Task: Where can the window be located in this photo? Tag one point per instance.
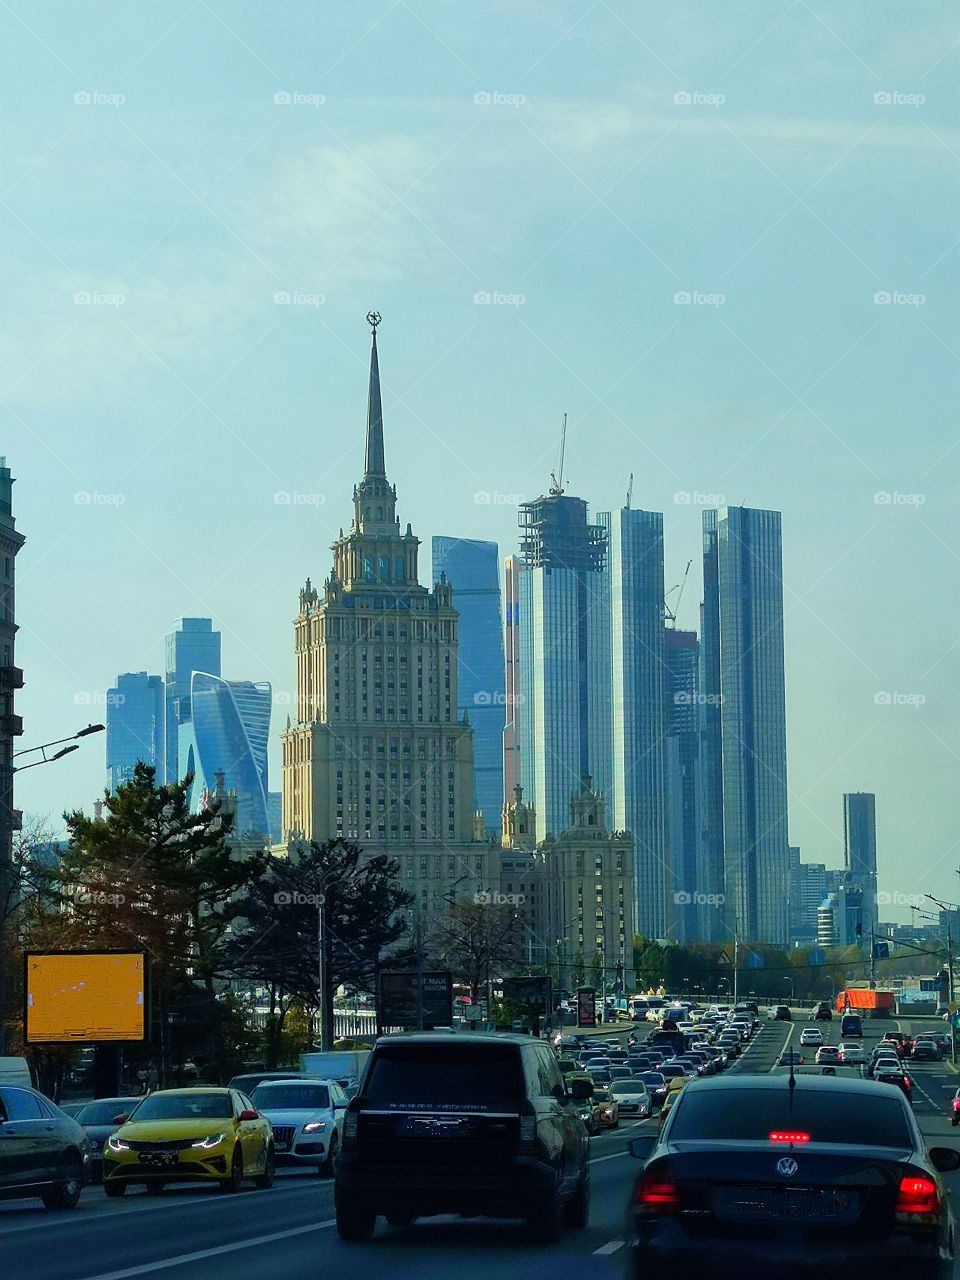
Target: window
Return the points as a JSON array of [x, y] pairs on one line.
[[20, 1104], [384, 569], [368, 568]]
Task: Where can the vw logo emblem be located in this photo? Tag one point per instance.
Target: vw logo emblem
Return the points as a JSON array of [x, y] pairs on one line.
[[787, 1166]]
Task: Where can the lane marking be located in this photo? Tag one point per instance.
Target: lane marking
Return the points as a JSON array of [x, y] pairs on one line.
[[610, 1247], [617, 1155], [200, 1255]]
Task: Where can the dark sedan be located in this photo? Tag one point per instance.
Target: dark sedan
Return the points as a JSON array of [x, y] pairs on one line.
[[99, 1121], [42, 1151], [814, 1176]]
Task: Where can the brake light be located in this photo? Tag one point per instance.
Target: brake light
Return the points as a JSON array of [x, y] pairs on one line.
[[782, 1136], [656, 1193], [349, 1134], [918, 1198], [906, 1081], [528, 1127]]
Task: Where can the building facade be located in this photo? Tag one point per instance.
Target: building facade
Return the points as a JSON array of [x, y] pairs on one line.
[[512, 571], [746, 740], [860, 848], [192, 646], [11, 679], [681, 667], [471, 568], [135, 726]]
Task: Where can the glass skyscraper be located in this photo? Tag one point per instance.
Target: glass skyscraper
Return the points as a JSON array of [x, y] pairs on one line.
[[192, 646], [860, 848], [472, 570], [512, 571], [681, 658], [135, 710], [744, 723], [228, 732]]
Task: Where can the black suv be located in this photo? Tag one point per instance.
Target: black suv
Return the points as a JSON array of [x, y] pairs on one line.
[[467, 1124]]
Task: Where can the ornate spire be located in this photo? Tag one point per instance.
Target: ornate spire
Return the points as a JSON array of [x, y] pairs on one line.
[[373, 461]]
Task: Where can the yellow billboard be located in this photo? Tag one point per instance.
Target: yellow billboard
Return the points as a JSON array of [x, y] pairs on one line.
[[85, 997]]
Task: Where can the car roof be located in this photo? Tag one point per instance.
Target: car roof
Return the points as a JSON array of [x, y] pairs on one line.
[[765, 1081], [202, 1089], [447, 1038]]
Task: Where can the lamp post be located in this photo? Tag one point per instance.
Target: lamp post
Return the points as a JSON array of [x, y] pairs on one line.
[[790, 980]]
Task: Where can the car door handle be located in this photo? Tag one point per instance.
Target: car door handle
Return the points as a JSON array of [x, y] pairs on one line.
[[49, 1128]]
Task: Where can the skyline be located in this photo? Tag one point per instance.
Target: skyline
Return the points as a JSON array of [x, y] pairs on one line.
[[798, 393]]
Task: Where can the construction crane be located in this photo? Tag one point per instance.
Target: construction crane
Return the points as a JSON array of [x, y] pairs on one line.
[[556, 477], [671, 614], [630, 491]]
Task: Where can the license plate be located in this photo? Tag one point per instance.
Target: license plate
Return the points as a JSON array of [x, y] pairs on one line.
[[283, 1146], [432, 1127], [160, 1159], [795, 1204]]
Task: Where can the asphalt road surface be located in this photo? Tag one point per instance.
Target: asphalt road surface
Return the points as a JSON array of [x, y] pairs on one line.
[[287, 1233]]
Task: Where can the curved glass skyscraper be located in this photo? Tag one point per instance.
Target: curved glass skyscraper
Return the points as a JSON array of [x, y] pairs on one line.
[[229, 728]]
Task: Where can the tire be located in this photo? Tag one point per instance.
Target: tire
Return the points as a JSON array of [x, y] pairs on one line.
[[576, 1213], [65, 1194], [156, 1188], [545, 1221], [113, 1189], [233, 1183], [326, 1169], [356, 1224], [264, 1181]]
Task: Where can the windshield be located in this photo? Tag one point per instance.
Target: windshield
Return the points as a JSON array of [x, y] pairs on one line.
[[483, 1078], [184, 1106], [629, 1086], [751, 1115], [102, 1112], [291, 1097]]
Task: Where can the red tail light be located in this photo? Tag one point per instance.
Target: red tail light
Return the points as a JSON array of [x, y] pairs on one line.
[[780, 1136], [906, 1081], [656, 1193], [918, 1198]]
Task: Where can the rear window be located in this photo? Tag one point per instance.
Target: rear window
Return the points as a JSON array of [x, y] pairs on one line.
[[751, 1115], [291, 1097], [486, 1078]]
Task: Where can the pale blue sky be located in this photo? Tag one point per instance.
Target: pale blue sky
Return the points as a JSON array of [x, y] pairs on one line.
[[586, 193]]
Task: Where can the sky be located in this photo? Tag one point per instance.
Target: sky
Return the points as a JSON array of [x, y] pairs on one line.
[[723, 239]]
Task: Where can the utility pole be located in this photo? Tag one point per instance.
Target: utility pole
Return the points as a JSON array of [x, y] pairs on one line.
[[873, 960], [736, 964], [325, 1038], [953, 1020]]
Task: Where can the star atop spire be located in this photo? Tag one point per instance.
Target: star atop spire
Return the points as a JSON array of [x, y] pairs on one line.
[[373, 460]]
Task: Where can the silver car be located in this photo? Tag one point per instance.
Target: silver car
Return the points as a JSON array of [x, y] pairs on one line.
[[306, 1117]]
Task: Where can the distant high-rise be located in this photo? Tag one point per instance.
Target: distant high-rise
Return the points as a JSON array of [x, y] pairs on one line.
[[814, 887], [227, 733], [192, 646], [471, 569], [681, 657], [561, 661], [512, 570], [628, 725], [745, 772], [135, 709], [860, 848]]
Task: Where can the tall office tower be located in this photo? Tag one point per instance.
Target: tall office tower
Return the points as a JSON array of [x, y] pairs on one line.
[[11, 725], [378, 753], [794, 915], [192, 646], [814, 887], [746, 739], [564, 671], [681, 658], [471, 569], [227, 733], [860, 849], [134, 726], [512, 764], [628, 718]]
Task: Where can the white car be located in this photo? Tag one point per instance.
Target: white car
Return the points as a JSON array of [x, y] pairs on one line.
[[306, 1116], [852, 1055], [811, 1035]]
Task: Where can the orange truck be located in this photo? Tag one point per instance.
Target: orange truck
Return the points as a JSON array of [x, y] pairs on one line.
[[867, 1002]]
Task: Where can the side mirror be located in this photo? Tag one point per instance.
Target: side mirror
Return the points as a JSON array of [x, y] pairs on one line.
[[121, 1119], [340, 1106], [640, 1148], [580, 1089], [945, 1159], [249, 1115]]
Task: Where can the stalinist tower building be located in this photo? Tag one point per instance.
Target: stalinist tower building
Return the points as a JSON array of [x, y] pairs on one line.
[[377, 754]]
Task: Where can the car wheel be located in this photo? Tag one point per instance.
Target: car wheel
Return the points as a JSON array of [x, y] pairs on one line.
[[155, 1188], [265, 1180], [65, 1194], [112, 1189], [234, 1181], [355, 1224], [545, 1220], [576, 1213], [326, 1169]]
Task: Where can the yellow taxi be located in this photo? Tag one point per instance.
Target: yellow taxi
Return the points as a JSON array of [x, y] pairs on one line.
[[190, 1135], [673, 1093]]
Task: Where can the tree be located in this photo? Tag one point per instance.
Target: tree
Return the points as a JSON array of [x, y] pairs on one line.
[[478, 941]]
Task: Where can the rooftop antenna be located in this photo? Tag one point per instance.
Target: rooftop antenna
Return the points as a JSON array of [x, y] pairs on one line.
[[630, 500], [671, 614], [556, 478]]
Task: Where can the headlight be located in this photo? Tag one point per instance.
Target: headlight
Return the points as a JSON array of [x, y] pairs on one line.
[[115, 1144], [212, 1140], [314, 1126]]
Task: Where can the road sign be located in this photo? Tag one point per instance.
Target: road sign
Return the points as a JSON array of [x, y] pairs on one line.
[[586, 1007], [398, 999]]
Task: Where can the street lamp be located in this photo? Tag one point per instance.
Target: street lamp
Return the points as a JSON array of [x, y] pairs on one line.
[[44, 748], [790, 980]]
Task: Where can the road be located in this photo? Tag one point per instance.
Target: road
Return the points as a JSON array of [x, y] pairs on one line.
[[287, 1232]]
